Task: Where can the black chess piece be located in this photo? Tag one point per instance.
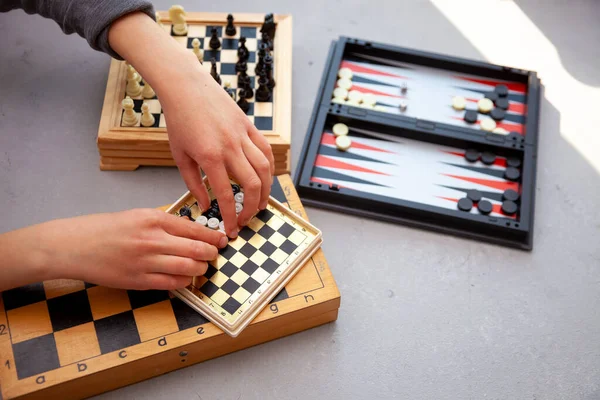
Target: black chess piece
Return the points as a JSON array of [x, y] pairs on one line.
[[269, 26], [263, 93], [243, 53], [268, 62], [214, 39], [266, 39], [230, 28], [241, 76], [241, 66], [262, 52], [243, 103], [213, 71], [247, 86]]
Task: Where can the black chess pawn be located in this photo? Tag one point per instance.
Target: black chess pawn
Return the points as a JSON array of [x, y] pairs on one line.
[[268, 62], [213, 71], [242, 102], [243, 53], [241, 66], [214, 39], [246, 85], [262, 52], [230, 28], [241, 77], [263, 93], [266, 39]]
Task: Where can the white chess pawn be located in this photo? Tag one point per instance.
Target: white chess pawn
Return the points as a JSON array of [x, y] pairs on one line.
[[134, 88], [196, 49], [147, 117], [158, 21], [130, 118], [133, 74], [177, 15], [147, 91]]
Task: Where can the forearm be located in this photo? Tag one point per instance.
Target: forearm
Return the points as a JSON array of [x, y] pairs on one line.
[[25, 257], [160, 60]]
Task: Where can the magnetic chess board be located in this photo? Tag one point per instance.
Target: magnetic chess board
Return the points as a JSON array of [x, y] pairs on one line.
[[410, 156], [71, 340], [253, 267], [128, 147]]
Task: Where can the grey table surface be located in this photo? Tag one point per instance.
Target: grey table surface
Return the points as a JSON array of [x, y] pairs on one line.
[[423, 315]]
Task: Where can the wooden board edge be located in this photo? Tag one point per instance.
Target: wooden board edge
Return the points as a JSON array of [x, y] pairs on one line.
[[283, 66], [200, 351]]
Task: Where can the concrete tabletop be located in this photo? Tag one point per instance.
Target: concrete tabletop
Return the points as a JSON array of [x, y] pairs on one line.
[[423, 315]]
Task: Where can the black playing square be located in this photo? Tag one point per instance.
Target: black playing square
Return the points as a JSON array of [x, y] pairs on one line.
[[248, 32], [268, 248], [230, 287], [209, 29], [69, 310], [286, 229], [228, 269], [209, 288], [266, 231], [191, 39], [229, 44], [252, 59], [251, 285], [249, 267], [210, 54], [248, 250], [35, 356], [250, 109], [246, 233], [23, 296], [228, 252], [231, 305], [156, 121], [142, 298], [228, 69], [269, 265], [210, 271], [186, 316], [137, 105], [89, 285], [280, 296], [263, 123], [264, 215], [288, 247], [117, 332]]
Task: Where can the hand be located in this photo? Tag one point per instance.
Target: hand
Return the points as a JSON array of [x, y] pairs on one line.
[[137, 249], [207, 129]]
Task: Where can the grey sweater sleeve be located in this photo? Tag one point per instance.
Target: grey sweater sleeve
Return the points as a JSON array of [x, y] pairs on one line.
[[90, 19]]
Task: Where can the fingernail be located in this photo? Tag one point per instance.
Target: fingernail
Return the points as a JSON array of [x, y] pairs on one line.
[[263, 205], [223, 242], [233, 233]]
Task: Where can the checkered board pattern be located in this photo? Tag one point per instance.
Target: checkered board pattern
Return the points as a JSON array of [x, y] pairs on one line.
[[46, 317], [259, 113], [265, 252]]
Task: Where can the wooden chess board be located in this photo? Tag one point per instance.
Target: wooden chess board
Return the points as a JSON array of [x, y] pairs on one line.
[[128, 147], [70, 340]]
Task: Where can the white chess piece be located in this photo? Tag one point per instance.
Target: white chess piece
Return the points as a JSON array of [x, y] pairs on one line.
[[132, 73], [177, 15], [158, 21], [134, 88], [196, 49], [130, 118], [147, 91], [147, 117]]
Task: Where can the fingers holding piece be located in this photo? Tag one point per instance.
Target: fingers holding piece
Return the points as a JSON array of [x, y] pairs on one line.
[[247, 177], [221, 188], [190, 172], [183, 228]]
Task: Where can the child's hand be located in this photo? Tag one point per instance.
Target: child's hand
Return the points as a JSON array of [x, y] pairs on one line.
[[207, 129], [137, 249]]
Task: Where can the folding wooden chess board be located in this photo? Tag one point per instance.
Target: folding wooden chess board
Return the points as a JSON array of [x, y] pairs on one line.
[[126, 148], [424, 139], [70, 340]]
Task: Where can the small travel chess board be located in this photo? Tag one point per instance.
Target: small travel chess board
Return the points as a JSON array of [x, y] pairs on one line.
[[426, 140], [253, 267], [69, 339], [124, 147]]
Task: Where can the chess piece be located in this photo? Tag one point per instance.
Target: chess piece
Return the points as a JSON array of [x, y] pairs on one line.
[[133, 74], [213, 71], [158, 20], [262, 52], [134, 88], [241, 66], [268, 62], [266, 39], [147, 118], [263, 93], [196, 49], [147, 91], [243, 103], [243, 53], [230, 29], [214, 39], [177, 15], [241, 76], [130, 118], [269, 26]]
